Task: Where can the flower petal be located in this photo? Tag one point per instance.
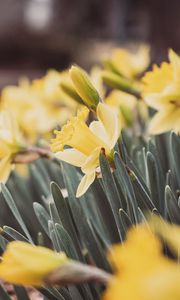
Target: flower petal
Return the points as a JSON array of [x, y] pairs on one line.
[[92, 162], [27, 264], [164, 120], [110, 121], [72, 156], [86, 181], [98, 129], [175, 61]]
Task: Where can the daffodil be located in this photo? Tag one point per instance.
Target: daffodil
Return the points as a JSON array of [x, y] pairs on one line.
[[26, 264], [11, 143], [39, 105], [162, 92], [125, 104], [86, 142], [142, 271], [130, 64]]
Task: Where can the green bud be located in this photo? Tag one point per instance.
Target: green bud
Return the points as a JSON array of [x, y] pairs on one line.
[[84, 87], [127, 114], [69, 89], [109, 66], [120, 83]]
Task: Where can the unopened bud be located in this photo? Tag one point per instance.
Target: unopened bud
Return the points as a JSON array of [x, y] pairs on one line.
[[118, 82], [84, 87], [69, 90]]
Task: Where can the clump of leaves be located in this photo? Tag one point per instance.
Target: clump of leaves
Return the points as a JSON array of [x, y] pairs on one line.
[[146, 177]]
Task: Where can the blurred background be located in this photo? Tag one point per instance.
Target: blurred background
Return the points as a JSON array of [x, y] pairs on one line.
[[36, 35]]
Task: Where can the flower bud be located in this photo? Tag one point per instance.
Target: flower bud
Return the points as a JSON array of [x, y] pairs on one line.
[[69, 90], [118, 82], [84, 87]]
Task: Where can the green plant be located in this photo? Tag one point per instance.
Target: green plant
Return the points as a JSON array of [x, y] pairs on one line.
[[146, 177]]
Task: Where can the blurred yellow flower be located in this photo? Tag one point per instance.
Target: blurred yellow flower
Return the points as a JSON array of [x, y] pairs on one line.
[[125, 104], [97, 80], [25, 264], [39, 106], [162, 92], [142, 272], [130, 64], [87, 142], [11, 142]]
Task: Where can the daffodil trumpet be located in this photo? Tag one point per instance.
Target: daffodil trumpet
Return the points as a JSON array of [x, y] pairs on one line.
[[26, 264], [85, 143]]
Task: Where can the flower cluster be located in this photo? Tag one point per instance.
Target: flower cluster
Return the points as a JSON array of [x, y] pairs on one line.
[[99, 123]]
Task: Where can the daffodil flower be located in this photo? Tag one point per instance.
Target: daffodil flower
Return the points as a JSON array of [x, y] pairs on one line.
[[26, 264], [130, 64], [124, 103], [11, 142], [86, 142], [34, 102], [142, 271], [162, 92]]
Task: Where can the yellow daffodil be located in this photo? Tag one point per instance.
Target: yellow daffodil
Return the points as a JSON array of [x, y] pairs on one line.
[[39, 105], [87, 142], [162, 92], [142, 271], [130, 64], [11, 142], [125, 104], [25, 264]]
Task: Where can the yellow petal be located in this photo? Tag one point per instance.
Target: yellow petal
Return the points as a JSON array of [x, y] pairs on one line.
[[72, 156], [5, 168], [110, 121], [157, 79], [164, 120], [98, 129], [86, 181], [27, 264], [156, 101], [91, 162], [175, 60]]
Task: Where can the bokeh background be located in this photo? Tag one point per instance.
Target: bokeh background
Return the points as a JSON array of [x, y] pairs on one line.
[[36, 35]]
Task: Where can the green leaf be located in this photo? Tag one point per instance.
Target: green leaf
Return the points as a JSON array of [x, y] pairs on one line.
[[65, 217], [171, 204], [3, 294], [111, 190], [42, 216], [10, 202], [65, 240], [155, 183], [21, 293], [126, 185], [14, 234]]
